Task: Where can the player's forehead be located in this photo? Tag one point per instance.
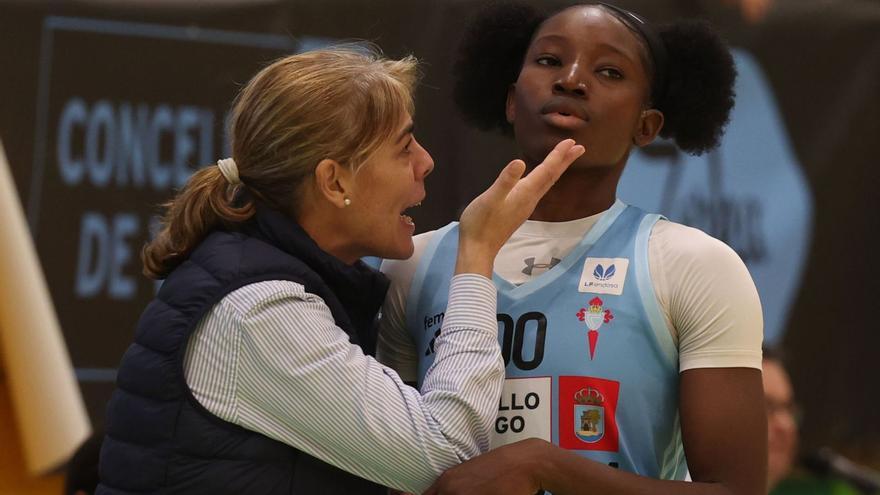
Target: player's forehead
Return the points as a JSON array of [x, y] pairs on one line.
[[588, 27]]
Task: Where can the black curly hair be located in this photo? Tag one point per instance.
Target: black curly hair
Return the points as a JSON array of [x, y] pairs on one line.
[[695, 98]]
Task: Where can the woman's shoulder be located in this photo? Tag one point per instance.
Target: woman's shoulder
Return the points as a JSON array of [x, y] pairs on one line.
[[247, 299]]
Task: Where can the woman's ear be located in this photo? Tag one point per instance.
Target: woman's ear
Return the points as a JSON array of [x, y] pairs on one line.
[[650, 123], [333, 182]]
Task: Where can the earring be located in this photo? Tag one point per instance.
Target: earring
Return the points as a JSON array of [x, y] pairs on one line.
[[346, 202]]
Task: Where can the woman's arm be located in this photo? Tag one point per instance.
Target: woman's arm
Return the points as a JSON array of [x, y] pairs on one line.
[[299, 380]]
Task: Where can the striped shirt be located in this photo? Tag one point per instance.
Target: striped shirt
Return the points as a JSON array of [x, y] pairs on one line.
[[270, 358]]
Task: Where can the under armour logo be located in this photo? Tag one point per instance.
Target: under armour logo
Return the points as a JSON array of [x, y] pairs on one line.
[[531, 265]]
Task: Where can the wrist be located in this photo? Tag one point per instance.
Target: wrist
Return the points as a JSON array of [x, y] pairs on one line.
[[533, 461], [542, 462], [475, 258]]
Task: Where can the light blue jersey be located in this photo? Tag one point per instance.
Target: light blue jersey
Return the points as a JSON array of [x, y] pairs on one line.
[[590, 363]]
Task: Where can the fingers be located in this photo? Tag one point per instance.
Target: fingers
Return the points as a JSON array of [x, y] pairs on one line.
[[563, 155], [515, 169], [508, 178], [573, 154], [543, 176], [557, 162]]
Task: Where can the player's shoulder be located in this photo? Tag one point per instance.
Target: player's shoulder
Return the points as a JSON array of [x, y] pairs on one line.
[[420, 241], [681, 241]]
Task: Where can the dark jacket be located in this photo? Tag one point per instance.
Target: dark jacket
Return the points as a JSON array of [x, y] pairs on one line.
[[159, 439]]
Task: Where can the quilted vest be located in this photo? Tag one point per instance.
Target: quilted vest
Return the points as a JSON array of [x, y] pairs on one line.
[[158, 438]]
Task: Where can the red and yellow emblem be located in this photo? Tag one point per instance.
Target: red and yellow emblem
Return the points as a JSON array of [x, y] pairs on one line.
[[588, 413], [594, 317]]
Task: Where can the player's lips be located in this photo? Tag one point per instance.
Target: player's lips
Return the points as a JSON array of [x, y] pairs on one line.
[[565, 113]]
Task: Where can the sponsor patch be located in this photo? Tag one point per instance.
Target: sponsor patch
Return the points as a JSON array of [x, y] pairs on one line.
[[524, 411], [604, 275], [587, 413]]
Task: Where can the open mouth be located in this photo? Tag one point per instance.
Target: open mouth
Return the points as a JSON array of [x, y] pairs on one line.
[[405, 217]]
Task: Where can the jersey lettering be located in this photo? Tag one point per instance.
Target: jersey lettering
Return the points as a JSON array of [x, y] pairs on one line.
[[515, 339], [524, 411]]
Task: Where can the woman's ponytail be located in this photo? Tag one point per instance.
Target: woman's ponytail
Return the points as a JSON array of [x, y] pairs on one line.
[[205, 203]]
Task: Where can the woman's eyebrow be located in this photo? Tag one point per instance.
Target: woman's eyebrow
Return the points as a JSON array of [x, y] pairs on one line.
[[406, 131]]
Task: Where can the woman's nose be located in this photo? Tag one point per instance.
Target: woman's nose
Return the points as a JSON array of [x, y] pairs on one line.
[[425, 163]]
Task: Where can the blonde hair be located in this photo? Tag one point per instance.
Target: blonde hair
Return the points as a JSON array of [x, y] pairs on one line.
[[340, 103]]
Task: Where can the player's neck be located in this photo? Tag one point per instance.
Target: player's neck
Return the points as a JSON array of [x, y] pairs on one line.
[[578, 194]]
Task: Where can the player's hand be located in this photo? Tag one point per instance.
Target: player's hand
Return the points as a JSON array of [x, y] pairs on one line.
[[507, 470], [491, 218]]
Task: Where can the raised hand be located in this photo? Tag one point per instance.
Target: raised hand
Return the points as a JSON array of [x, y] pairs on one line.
[[491, 218]]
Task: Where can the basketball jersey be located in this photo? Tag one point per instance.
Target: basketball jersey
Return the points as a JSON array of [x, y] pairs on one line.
[[589, 361]]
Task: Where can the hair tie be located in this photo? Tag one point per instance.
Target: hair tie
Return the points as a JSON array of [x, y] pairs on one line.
[[229, 170]]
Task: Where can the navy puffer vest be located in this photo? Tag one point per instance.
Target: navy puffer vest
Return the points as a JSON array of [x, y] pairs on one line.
[[159, 439]]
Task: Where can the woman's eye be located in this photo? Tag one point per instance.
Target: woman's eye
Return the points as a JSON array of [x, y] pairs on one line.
[[611, 73], [547, 60]]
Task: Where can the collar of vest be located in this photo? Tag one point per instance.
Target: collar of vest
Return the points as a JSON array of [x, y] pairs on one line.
[[356, 286]]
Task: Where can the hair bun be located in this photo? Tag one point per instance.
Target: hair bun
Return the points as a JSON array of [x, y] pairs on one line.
[[699, 91], [489, 60]]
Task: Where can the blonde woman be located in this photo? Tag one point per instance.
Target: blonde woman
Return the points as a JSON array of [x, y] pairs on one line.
[[249, 372]]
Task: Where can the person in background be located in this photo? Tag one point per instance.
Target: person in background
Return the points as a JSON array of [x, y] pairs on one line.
[[783, 417]]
